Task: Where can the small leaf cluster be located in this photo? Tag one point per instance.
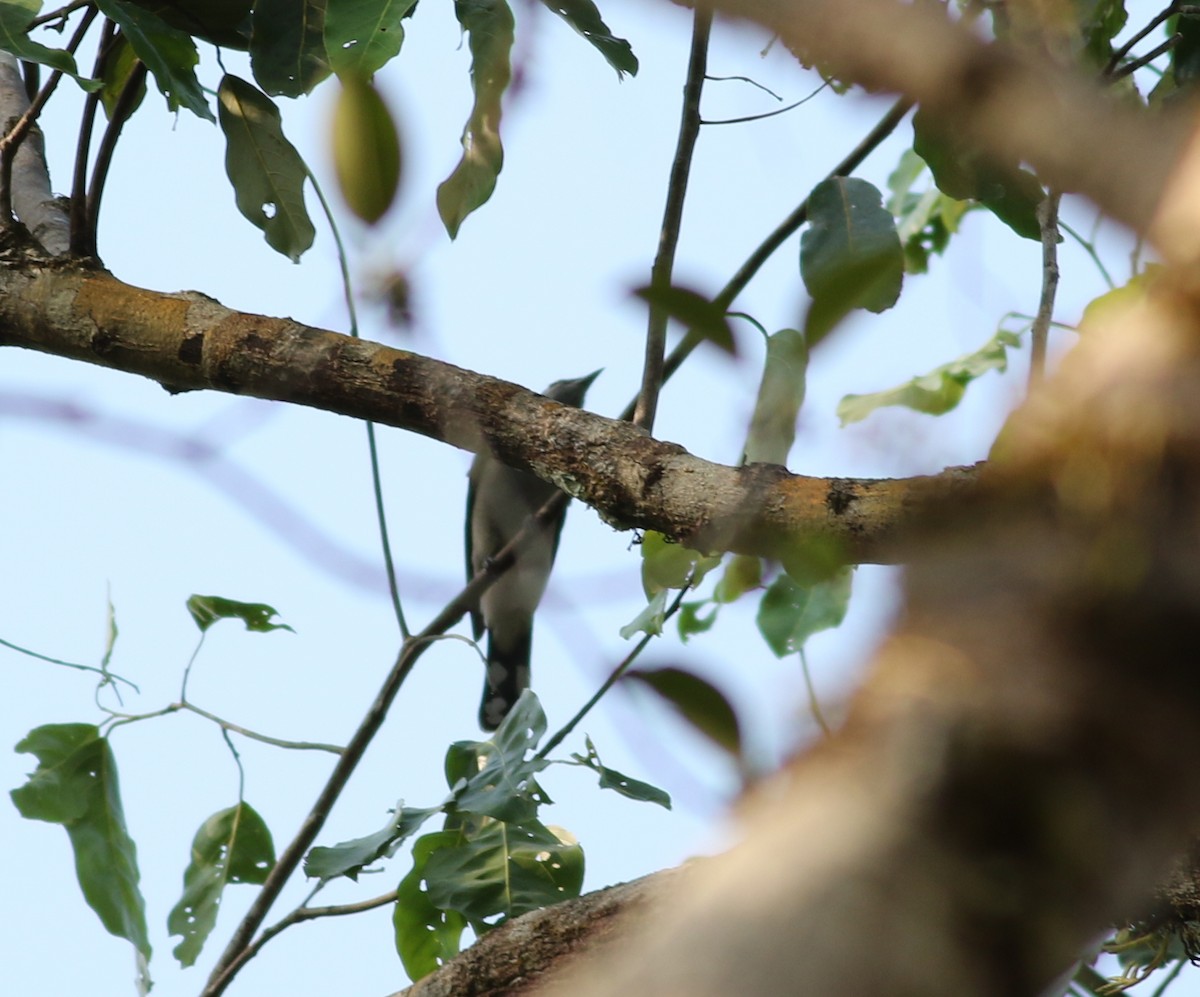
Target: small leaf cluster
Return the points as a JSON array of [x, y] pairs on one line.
[[493, 859]]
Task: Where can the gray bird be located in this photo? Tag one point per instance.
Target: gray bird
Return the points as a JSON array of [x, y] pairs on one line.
[[499, 501]]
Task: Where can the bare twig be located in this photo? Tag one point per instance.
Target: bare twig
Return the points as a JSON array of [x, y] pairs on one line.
[[107, 675], [612, 679], [668, 239], [766, 114], [1144, 60], [278, 742], [1124, 50], [1047, 213]]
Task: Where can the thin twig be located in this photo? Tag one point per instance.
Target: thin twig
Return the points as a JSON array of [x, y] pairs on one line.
[[1088, 247], [301, 914], [668, 238], [744, 79], [765, 114], [61, 14], [278, 742], [612, 679], [108, 676], [745, 273], [239, 949], [1142, 60], [1125, 49], [1047, 213]]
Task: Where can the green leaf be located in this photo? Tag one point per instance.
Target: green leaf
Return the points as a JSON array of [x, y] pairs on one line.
[[287, 46], [742, 574], [790, 613], [1100, 22], [76, 785], [494, 778], [1118, 303], [427, 937], [118, 70], [941, 389], [670, 565], [207, 609], [694, 310], [650, 619], [584, 17], [634, 789], [699, 702], [362, 36], [266, 171], [169, 54], [1012, 194], [233, 846], [15, 18], [690, 620], [505, 869], [780, 395], [489, 25], [222, 22], [348, 858], [850, 256], [925, 220]]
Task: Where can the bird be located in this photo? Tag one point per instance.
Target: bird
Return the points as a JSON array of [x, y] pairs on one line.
[[499, 501]]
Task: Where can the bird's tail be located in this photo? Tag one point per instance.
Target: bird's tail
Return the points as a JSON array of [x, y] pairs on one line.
[[507, 677]]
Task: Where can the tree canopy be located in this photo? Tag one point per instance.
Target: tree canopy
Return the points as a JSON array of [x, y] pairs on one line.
[[1010, 782]]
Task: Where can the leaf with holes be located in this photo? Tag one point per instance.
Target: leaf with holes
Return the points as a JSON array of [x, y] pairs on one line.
[[287, 46], [362, 36], [633, 789], [494, 778], [426, 936], [584, 17], [506, 869], [266, 171], [233, 846], [348, 858], [207, 609], [76, 785]]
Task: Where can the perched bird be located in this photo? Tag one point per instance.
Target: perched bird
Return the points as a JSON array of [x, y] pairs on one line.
[[499, 501]]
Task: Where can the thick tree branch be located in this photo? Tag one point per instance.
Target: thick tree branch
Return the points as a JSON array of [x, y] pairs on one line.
[[188, 341]]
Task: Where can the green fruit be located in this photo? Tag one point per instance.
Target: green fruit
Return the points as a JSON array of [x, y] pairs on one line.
[[366, 150]]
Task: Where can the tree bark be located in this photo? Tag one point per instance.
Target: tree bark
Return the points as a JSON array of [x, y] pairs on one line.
[[188, 341]]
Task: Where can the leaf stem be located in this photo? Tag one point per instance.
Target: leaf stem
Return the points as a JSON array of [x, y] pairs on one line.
[[385, 544]]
